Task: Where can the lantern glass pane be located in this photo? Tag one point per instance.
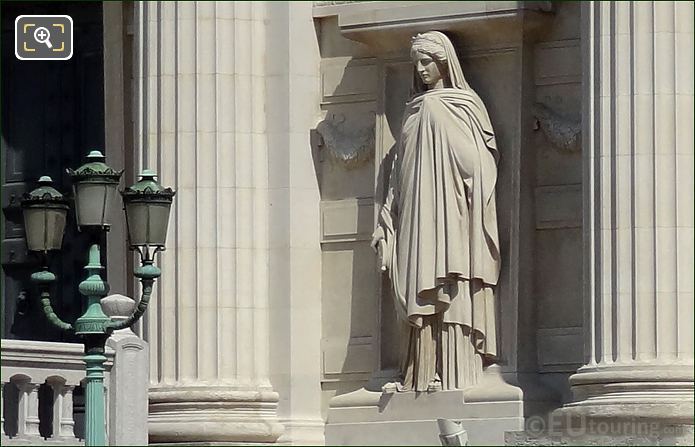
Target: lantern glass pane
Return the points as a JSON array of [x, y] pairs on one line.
[[136, 219], [44, 228], [159, 221], [93, 201], [147, 223]]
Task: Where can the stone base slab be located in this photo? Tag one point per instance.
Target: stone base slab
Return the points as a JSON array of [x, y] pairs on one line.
[[39, 440], [366, 417], [303, 432], [488, 431], [665, 435]]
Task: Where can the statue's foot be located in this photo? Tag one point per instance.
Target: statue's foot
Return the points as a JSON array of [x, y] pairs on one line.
[[390, 387], [435, 385], [394, 387]]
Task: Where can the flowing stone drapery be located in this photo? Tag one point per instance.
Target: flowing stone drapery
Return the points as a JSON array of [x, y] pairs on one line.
[[638, 221], [201, 125], [438, 227]]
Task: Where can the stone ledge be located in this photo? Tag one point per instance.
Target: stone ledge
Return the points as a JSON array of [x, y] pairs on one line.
[[38, 440], [388, 25], [665, 435]]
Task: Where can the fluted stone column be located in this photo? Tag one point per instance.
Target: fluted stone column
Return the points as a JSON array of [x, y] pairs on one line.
[[638, 152], [201, 125]]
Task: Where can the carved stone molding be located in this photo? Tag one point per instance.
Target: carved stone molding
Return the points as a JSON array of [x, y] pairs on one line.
[[347, 145], [562, 132], [389, 25], [336, 2]]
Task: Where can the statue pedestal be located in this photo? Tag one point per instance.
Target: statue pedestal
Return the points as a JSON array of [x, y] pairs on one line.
[[364, 417]]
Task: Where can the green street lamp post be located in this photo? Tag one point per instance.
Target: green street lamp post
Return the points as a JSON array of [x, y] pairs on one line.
[[147, 205]]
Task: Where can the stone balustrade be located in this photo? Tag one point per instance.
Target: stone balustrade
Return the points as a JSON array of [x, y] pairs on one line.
[[42, 397]]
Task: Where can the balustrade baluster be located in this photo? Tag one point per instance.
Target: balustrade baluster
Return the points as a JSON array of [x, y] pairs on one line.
[[2, 409], [26, 366], [63, 423], [67, 423], [28, 420]]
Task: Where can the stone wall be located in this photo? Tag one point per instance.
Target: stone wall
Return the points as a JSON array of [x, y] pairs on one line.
[[529, 77], [556, 143]]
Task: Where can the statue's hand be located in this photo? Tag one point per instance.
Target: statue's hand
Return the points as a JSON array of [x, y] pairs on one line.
[[379, 245], [377, 236]]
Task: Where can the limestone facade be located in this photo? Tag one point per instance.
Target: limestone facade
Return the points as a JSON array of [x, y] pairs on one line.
[[638, 212], [227, 125], [275, 122]]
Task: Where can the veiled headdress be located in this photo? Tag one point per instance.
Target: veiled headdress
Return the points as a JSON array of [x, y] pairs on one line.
[[439, 47]]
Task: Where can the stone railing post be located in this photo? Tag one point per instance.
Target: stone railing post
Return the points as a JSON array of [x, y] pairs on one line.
[[129, 379]]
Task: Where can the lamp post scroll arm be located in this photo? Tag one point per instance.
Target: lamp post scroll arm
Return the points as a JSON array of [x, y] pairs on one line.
[[44, 279], [147, 274], [51, 315]]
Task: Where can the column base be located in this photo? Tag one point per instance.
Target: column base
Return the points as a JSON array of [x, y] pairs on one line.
[[637, 403], [655, 392], [605, 434], [203, 414]]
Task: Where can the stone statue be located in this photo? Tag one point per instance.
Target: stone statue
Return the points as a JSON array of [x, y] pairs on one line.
[[437, 230]]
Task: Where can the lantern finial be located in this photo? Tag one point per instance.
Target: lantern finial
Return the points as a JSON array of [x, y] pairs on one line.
[[96, 156]]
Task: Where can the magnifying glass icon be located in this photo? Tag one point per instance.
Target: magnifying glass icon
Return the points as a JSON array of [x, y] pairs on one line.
[[42, 35]]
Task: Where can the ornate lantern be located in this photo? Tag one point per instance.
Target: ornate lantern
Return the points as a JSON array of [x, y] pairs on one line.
[[95, 187], [45, 211], [147, 205]]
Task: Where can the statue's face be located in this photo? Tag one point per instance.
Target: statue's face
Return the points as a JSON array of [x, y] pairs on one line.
[[427, 68]]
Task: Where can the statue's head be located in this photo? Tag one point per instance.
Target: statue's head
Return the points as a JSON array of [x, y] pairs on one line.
[[430, 59]]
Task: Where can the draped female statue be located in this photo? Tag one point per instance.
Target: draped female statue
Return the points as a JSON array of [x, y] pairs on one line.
[[437, 230]]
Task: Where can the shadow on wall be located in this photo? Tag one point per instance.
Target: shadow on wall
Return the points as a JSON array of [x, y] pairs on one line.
[[343, 156]]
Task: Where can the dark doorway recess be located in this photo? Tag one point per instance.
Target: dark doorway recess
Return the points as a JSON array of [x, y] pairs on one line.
[[52, 115]]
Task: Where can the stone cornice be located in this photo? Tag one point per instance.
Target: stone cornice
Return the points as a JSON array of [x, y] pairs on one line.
[[386, 25]]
